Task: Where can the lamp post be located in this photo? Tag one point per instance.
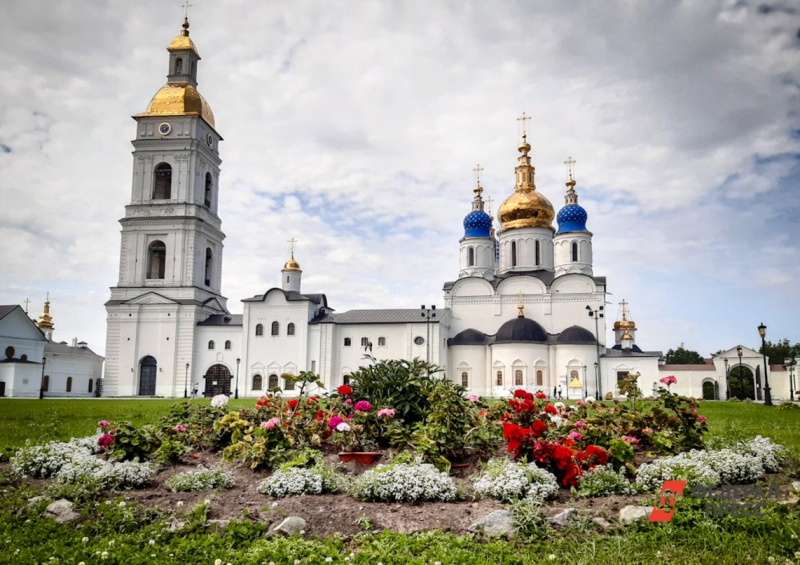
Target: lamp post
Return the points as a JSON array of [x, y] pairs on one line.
[[762, 331], [597, 314], [739, 353], [428, 314], [41, 385], [596, 378], [789, 364], [584, 381], [727, 382], [236, 394], [186, 382]]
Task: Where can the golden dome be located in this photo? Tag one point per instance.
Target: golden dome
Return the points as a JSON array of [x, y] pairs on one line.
[[526, 208], [626, 335], [180, 99], [292, 265], [46, 320], [182, 43], [624, 323]]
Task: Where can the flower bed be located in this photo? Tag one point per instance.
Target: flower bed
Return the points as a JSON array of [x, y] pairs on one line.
[[201, 479], [404, 482], [506, 480], [295, 481]]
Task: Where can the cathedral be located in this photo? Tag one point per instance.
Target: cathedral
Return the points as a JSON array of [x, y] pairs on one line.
[[526, 309]]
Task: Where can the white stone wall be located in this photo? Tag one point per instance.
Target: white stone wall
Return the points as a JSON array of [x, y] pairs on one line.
[[562, 251], [526, 239], [483, 254], [61, 366]]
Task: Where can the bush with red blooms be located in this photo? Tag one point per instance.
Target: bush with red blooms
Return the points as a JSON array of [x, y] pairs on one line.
[[345, 390], [566, 461]]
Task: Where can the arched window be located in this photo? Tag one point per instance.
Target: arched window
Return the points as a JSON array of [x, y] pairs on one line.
[[227, 344], [178, 66], [513, 253], [157, 260], [211, 344], [346, 380], [539, 378], [273, 381], [538, 253], [275, 328], [518, 377], [290, 329], [207, 200], [288, 384], [69, 384], [381, 341], [91, 385], [364, 341], [209, 262], [464, 379], [471, 256], [258, 382], [574, 252], [347, 342], [46, 383], [259, 329], [162, 187], [499, 381]]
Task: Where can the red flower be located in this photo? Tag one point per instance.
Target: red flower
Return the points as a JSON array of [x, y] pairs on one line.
[[541, 395], [344, 390], [311, 399], [519, 393], [538, 428], [320, 415], [293, 403], [262, 401], [550, 409], [600, 455]]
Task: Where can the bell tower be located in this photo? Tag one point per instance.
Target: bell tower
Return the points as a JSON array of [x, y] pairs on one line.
[[171, 254]]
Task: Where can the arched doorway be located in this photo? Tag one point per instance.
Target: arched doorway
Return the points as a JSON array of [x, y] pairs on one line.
[[147, 376], [218, 380], [708, 390], [741, 380]]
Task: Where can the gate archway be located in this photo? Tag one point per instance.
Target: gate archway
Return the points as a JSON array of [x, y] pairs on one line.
[[218, 380], [708, 390], [148, 369], [741, 381]]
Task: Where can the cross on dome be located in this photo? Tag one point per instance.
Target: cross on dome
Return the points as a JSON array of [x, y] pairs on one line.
[[570, 163], [186, 9], [523, 118]]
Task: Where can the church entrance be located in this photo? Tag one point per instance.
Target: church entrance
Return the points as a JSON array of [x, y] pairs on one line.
[[741, 382], [710, 390], [147, 376], [218, 380]]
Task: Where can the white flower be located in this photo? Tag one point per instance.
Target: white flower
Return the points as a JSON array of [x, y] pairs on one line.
[[329, 560], [218, 562], [343, 427], [122, 504], [507, 480], [179, 504], [559, 405], [84, 539], [552, 557], [152, 542], [200, 479], [219, 401], [296, 481], [557, 420], [402, 482], [590, 399]]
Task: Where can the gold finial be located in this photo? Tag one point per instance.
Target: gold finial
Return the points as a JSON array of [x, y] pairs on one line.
[[521, 306], [478, 190], [291, 264], [45, 320], [524, 147], [27, 303], [185, 25], [624, 310], [570, 163], [625, 323]]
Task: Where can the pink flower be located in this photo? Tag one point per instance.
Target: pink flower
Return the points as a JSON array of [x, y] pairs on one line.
[[702, 419], [343, 427], [335, 421], [105, 440], [270, 424], [670, 380], [631, 439], [575, 436], [473, 398], [647, 431], [103, 423], [580, 402], [363, 406], [580, 424], [179, 428], [386, 413], [348, 401]]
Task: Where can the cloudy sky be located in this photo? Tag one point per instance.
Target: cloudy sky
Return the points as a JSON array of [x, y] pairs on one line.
[[355, 126]]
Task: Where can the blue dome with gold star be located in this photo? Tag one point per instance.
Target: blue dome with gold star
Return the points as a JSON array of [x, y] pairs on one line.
[[571, 218], [477, 224]]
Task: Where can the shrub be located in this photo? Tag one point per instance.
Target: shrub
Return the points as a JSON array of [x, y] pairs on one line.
[[201, 479], [42, 461], [506, 480], [121, 475], [685, 466], [294, 481], [402, 482], [769, 453], [733, 467], [604, 481]]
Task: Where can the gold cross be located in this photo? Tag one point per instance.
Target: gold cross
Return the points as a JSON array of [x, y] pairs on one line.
[[489, 201], [27, 303], [48, 297], [570, 163], [523, 118], [478, 170], [292, 241], [624, 309], [186, 9]]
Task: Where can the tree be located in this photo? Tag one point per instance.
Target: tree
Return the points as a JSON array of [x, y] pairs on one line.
[[682, 356], [779, 351]]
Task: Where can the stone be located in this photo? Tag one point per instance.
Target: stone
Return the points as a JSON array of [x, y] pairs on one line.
[[563, 517], [291, 526], [218, 523], [796, 486], [631, 513], [498, 523], [61, 511], [604, 524]]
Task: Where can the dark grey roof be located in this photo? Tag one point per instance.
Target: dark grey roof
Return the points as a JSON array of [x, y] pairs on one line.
[[63, 349], [631, 353], [291, 296], [395, 316], [469, 337], [222, 320], [576, 335], [521, 329], [5, 310], [635, 348]]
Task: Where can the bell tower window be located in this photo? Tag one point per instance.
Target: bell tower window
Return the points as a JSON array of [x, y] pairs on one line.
[[471, 259], [157, 260], [209, 262], [574, 252], [162, 188], [513, 253], [178, 66], [538, 254], [207, 202]]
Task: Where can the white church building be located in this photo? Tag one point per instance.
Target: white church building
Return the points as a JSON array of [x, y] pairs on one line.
[[525, 309]]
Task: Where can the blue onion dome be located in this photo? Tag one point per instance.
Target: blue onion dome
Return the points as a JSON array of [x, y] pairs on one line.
[[477, 224], [571, 218]]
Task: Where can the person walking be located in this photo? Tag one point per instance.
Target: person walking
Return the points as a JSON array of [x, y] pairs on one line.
[[195, 390], [559, 392]]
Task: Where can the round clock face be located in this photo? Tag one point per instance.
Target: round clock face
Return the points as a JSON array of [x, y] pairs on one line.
[[164, 128], [209, 139]]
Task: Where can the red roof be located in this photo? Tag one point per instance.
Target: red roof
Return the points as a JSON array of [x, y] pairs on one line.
[[687, 368]]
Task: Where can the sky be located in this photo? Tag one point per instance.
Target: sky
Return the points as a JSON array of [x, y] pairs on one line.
[[354, 127]]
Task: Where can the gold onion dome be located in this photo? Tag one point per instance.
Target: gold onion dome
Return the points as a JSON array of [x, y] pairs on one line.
[[292, 265], [526, 208], [625, 323], [180, 99]]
